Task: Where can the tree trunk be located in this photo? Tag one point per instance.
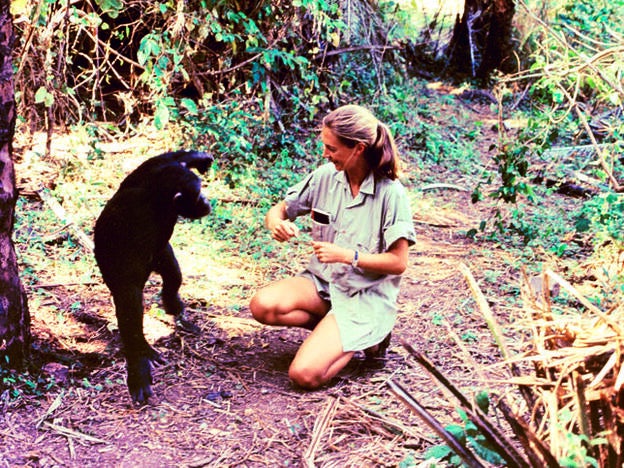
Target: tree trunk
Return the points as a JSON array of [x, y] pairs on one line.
[[14, 315], [498, 48], [481, 40]]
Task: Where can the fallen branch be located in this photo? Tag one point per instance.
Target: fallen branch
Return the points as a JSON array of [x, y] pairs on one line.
[[465, 454], [490, 431], [443, 186], [75, 434], [60, 213]]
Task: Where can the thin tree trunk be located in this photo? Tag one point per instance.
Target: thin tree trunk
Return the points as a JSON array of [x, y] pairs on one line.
[[481, 40], [14, 315]]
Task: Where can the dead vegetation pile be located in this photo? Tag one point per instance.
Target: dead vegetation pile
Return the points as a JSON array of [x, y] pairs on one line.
[[563, 401]]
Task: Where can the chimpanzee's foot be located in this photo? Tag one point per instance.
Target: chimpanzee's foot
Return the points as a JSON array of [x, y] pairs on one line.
[[140, 375], [185, 325]]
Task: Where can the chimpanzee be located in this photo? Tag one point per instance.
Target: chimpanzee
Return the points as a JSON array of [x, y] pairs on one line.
[[132, 240]]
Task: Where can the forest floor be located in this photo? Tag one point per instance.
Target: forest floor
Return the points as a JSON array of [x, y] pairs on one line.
[[224, 399]]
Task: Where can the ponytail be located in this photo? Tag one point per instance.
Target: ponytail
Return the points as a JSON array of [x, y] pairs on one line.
[[382, 155]]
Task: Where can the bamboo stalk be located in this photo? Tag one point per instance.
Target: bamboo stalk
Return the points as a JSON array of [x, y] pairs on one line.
[[465, 454], [485, 310], [320, 426]]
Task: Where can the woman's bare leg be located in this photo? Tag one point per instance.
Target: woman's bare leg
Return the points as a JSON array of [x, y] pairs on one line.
[[320, 357], [292, 302]]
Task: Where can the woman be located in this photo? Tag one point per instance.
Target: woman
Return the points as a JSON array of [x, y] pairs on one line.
[[362, 229]]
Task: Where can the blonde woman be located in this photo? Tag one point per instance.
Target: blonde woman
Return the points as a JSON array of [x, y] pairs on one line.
[[362, 229]]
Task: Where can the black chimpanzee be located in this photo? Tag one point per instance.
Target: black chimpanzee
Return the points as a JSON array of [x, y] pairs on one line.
[[132, 240]]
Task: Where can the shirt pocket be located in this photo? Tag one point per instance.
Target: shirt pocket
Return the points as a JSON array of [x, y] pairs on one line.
[[323, 227]]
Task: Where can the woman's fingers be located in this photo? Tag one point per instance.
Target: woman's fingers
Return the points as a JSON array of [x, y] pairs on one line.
[[285, 230]]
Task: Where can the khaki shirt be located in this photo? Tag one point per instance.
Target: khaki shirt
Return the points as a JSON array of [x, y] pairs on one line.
[[364, 303]]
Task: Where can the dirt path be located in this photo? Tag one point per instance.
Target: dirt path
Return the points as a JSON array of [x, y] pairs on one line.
[[224, 399]]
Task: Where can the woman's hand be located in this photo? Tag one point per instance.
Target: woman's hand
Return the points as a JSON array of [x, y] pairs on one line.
[[283, 230], [327, 252], [391, 262]]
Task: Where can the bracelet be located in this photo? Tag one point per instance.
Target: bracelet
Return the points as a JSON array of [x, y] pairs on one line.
[[354, 262]]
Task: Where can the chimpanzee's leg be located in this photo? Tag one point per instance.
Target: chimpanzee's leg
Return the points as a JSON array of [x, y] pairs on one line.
[[139, 354], [168, 268]]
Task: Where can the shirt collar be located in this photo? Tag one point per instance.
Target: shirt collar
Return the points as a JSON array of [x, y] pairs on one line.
[[368, 184]]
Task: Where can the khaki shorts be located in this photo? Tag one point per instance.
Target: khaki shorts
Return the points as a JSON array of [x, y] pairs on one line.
[[363, 319]]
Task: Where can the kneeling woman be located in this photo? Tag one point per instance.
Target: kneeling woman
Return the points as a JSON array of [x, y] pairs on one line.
[[362, 228]]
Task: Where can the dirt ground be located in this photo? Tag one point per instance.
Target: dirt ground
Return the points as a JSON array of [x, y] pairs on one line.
[[224, 399]]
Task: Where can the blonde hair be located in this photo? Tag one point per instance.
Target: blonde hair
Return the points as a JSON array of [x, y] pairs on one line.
[[354, 124]]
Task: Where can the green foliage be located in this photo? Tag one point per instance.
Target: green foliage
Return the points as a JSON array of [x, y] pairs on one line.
[[576, 445], [572, 76], [110, 7], [468, 435], [188, 57], [576, 60], [15, 385], [604, 216]]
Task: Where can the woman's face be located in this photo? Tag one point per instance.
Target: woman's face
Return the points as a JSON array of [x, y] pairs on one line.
[[338, 153]]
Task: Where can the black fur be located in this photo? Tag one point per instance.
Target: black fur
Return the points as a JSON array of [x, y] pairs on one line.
[[132, 240]]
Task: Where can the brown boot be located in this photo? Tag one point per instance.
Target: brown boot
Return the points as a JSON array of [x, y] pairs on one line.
[[378, 351]]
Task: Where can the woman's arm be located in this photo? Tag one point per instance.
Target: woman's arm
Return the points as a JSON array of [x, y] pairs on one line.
[[276, 220], [391, 262]]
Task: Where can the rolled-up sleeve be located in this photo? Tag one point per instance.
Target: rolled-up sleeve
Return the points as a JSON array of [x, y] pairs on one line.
[[398, 221], [299, 198]]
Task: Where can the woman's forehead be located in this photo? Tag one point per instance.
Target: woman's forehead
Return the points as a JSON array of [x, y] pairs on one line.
[[328, 137]]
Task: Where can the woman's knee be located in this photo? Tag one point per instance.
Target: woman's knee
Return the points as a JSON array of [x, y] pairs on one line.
[[304, 377], [260, 307]]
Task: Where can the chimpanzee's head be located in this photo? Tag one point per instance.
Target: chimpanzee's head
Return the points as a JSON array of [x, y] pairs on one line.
[[189, 200]]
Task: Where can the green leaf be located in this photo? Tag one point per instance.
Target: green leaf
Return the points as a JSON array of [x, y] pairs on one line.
[[161, 116], [483, 401], [615, 99], [457, 431], [42, 96], [438, 451], [111, 7], [190, 106], [582, 225], [487, 452]]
